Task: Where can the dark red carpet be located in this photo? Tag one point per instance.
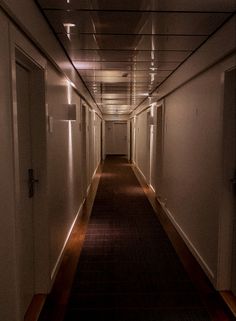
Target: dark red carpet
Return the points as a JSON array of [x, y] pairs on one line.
[[128, 269]]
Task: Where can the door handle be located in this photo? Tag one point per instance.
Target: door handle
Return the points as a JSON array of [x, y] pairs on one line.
[[31, 182], [233, 181]]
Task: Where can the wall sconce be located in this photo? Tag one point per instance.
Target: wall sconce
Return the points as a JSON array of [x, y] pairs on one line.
[[65, 112], [71, 111]]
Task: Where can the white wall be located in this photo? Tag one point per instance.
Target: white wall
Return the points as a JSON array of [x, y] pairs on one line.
[[64, 181], [192, 146], [97, 140], [143, 143], [192, 161], [221, 44], [64, 162], [8, 292]]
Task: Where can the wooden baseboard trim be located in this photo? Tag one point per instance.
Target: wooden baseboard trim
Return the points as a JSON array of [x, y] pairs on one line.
[[211, 298], [230, 300], [35, 307], [56, 302]]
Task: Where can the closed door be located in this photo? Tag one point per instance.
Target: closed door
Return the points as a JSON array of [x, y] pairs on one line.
[[158, 158], [26, 233], [131, 141], [233, 182], [116, 138], [231, 105], [227, 217], [84, 149], [120, 138]]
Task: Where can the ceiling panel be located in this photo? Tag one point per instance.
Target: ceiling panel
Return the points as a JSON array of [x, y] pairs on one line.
[[170, 5], [170, 42], [123, 73], [182, 23], [102, 55], [129, 56], [164, 55], [124, 66], [124, 50], [118, 22]]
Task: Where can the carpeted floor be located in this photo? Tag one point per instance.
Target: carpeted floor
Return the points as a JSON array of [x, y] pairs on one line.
[[128, 269]]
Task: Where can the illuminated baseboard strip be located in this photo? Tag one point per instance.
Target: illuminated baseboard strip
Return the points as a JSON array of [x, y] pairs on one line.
[[56, 266]]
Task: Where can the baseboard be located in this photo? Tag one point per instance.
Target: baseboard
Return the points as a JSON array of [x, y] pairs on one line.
[[182, 234], [94, 173], [58, 262], [35, 307], [141, 173], [230, 301], [63, 274], [189, 244]]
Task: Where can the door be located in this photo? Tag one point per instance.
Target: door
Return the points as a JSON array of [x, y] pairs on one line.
[[26, 232], [103, 140], [149, 146], [227, 218], [109, 137], [84, 149], [152, 150], [230, 79], [131, 140], [116, 138], [158, 158], [91, 144], [120, 138]]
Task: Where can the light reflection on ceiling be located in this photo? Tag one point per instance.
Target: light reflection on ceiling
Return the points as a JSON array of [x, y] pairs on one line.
[[124, 50]]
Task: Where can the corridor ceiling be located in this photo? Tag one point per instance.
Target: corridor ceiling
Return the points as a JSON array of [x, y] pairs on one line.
[[124, 49]]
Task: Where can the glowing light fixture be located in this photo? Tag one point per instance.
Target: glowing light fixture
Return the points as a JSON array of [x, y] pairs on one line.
[[153, 68], [68, 26]]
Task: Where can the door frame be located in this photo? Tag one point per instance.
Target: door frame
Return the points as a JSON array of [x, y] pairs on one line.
[[84, 147], [159, 152], [130, 146], [122, 122], [103, 137], [152, 141], [226, 213], [133, 139], [39, 160]]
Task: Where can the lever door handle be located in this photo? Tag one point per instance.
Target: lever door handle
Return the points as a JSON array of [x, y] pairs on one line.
[[31, 182]]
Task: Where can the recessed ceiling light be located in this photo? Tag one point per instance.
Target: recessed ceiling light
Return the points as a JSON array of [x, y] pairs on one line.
[[68, 25]]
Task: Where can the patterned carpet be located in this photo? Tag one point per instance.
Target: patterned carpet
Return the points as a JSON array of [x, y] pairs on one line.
[[128, 269]]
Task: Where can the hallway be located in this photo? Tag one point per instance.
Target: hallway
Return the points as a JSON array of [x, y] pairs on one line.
[[128, 269], [153, 81]]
